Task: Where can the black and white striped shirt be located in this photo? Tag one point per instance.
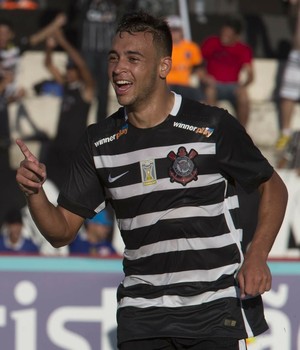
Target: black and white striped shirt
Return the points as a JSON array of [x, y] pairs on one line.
[[172, 189]]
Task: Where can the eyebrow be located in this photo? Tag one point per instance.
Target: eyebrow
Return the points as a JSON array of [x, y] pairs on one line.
[[129, 52]]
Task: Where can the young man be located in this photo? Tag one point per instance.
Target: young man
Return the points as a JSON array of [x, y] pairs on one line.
[[169, 166], [226, 57]]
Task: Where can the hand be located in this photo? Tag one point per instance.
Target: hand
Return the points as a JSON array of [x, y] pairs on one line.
[[254, 277], [31, 174], [209, 80], [60, 20]]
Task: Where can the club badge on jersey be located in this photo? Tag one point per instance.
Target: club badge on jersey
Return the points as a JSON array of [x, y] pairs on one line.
[[183, 169]]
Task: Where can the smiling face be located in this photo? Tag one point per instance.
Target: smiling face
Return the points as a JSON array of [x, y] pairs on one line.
[[134, 68]]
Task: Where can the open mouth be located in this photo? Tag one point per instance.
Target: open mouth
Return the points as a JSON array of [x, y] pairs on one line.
[[122, 85]]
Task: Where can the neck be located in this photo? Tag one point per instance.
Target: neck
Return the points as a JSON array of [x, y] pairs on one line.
[[153, 112]]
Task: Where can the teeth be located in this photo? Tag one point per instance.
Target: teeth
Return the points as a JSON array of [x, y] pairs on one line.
[[122, 82]]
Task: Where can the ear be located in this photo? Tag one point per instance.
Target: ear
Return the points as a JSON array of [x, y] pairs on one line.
[[165, 67]]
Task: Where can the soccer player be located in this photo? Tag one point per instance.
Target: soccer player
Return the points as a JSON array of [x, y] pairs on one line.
[[169, 167]]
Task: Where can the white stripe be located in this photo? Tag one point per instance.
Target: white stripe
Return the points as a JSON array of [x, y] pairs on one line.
[[237, 234], [232, 202], [183, 212], [150, 153], [177, 103], [247, 326], [100, 207], [138, 189], [181, 244], [180, 277], [178, 301], [242, 344]]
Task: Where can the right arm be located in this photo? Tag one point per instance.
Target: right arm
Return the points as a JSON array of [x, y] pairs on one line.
[[80, 63], [49, 64], [58, 225], [58, 22]]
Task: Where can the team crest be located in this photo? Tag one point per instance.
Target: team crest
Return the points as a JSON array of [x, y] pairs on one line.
[[148, 172], [183, 169]]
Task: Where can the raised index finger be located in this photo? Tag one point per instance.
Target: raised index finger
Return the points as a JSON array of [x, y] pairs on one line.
[[25, 150]]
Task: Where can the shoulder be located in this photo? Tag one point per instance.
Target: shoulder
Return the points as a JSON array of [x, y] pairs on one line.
[[109, 127], [108, 124], [191, 44], [243, 46], [213, 39], [197, 109]]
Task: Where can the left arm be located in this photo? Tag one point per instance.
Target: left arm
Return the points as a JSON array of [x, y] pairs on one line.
[[248, 74], [254, 276]]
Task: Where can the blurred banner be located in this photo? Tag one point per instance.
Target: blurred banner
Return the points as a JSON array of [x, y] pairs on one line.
[[70, 303], [19, 4]]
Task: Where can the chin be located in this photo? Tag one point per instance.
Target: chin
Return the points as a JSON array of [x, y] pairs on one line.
[[124, 101]]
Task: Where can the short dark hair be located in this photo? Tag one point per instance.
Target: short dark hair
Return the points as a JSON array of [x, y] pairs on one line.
[[141, 21], [234, 23], [13, 216]]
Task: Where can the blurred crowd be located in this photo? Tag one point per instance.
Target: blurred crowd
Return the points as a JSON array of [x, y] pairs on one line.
[[218, 68]]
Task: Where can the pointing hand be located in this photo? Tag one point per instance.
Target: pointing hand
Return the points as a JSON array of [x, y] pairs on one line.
[[31, 174]]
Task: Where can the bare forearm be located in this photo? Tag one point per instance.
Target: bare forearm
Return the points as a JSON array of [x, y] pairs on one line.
[[254, 276], [47, 31], [58, 225], [270, 216], [49, 219]]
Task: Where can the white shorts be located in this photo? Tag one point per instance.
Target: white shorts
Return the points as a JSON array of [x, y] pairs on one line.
[[290, 85]]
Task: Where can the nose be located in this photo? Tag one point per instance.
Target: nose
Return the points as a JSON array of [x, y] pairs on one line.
[[118, 66]]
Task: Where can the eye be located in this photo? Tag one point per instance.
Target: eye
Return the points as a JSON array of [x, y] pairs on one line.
[[133, 59], [112, 58]]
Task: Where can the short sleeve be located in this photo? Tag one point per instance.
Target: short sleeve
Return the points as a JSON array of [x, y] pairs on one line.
[[238, 157], [83, 193]]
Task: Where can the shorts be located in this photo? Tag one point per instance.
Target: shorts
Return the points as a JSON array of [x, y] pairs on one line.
[[290, 85], [227, 91], [183, 343]]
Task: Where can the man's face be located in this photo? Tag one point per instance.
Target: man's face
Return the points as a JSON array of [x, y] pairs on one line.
[[14, 231], [6, 36], [228, 36], [133, 67]]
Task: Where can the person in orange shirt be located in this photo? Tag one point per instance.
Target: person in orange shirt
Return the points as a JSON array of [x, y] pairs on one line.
[[186, 60]]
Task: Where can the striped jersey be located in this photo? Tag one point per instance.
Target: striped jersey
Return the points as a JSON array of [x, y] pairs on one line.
[[173, 191]]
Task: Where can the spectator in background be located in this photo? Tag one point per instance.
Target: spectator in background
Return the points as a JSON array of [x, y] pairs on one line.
[[290, 87], [10, 53], [226, 57], [186, 60], [78, 95], [94, 238], [12, 238], [97, 19]]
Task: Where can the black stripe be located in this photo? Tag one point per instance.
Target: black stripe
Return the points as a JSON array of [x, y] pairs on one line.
[[182, 289], [183, 260], [162, 200], [202, 321], [175, 229]]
